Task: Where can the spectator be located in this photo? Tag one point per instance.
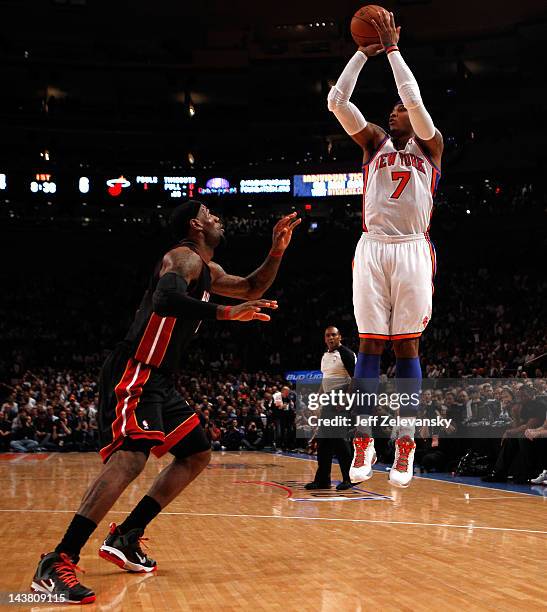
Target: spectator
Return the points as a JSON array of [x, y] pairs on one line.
[[214, 434], [24, 437], [517, 455], [80, 432], [44, 427], [490, 405], [10, 408], [253, 439], [507, 403], [19, 419], [231, 438], [5, 432], [62, 433], [283, 410], [539, 438]]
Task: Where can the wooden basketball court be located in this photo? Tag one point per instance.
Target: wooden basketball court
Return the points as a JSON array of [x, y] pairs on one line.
[[246, 536]]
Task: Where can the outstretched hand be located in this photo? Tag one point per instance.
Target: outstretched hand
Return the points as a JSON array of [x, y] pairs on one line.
[[251, 311], [282, 231], [385, 26]]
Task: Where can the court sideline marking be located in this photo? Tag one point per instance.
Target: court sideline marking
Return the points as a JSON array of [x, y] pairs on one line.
[[309, 518]]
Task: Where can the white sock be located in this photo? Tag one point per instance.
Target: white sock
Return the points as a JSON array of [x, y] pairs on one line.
[[407, 427]]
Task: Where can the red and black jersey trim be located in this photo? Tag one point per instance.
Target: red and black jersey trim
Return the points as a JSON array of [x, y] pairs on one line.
[[128, 393], [155, 340]]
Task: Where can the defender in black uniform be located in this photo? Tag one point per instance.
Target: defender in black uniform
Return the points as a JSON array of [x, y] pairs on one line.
[[137, 398], [140, 410]]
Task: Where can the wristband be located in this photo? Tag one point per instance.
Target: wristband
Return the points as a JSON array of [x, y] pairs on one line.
[[276, 253], [391, 48], [224, 313]]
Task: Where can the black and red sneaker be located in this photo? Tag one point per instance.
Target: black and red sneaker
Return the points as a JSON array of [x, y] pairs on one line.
[[56, 575], [125, 550]]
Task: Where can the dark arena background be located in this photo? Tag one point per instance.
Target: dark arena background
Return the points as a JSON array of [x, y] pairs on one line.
[[111, 115]]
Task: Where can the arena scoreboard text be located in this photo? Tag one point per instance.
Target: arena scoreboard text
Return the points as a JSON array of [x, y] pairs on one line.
[[162, 189], [327, 185]]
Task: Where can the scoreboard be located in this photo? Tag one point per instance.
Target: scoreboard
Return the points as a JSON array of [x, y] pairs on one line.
[[327, 185], [162, 187], [265, 185], [43, 182]]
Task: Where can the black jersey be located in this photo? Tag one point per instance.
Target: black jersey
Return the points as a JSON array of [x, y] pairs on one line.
[[160, 341]]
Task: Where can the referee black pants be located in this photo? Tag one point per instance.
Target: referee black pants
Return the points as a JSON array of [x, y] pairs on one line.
[[327, 448]]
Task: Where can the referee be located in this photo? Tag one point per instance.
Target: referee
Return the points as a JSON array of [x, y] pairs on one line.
[[337, 367]]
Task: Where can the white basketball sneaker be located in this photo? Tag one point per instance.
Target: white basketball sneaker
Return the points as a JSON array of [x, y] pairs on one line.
[[364, 457], [402, 469], [541, 479]]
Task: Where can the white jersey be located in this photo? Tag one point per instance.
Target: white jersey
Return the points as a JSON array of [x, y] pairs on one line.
[[398, 190], [335, 374]]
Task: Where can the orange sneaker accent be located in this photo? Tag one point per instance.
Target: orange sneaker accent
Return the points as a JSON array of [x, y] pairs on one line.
[[112, 558], [67, 570]]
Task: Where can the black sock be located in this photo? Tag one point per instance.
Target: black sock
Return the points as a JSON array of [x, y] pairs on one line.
[[144, 512], [78, 533]]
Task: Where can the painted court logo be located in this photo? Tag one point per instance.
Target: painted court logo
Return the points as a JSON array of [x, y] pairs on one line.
[[296, 492]]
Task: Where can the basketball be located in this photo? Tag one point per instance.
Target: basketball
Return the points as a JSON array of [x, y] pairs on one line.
[[362, 30], [251, 342]]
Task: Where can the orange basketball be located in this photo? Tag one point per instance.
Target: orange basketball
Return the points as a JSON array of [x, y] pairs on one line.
[[362, 30]]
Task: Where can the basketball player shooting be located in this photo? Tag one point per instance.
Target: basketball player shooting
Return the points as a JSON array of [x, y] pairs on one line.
[[394, 260], [140, 410]]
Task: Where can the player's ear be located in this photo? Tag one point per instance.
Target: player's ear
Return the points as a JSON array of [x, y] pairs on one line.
[[196, 224]]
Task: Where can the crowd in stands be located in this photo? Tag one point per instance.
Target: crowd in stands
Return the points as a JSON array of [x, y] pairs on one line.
[[50, 410], [488, 322]]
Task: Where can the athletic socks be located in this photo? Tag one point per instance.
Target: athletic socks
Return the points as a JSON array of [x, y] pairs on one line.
[[366, 380], [409, 381], [78, 533], [368, 366], [144, 512], [80, 529]]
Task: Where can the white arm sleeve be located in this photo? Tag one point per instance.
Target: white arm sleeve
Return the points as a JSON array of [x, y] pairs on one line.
[[349, 116], [408, 89]]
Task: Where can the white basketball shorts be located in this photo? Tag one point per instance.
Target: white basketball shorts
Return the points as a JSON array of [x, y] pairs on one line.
[[393, 285]]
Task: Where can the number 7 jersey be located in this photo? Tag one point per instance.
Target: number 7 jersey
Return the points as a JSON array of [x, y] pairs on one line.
[[398, 190]]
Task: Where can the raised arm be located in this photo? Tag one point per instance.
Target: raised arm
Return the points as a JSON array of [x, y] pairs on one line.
[[182, 266], [254, 285], [422, 124], [365, 134]]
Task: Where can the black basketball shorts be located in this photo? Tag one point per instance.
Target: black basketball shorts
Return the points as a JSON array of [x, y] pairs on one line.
[[139, 402]]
